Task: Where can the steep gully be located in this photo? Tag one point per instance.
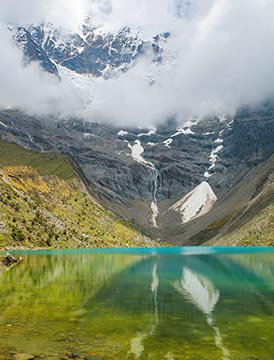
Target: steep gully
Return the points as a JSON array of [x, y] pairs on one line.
[[136, 153]]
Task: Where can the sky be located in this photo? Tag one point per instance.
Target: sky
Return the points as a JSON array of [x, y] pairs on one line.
[[220, 56]]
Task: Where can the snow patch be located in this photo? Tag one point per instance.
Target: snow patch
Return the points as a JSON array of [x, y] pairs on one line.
[[168, 142], [1, 123], [214, 157], [207, 175], [151, 132], [87, 134], [151, 144], [183, 131], [196, 203], [122, 133], [208, 133], [136, 151]]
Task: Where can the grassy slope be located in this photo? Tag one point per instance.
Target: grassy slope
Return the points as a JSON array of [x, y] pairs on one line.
[[44, 204], [255, 223], [45, 163], [256, 231]]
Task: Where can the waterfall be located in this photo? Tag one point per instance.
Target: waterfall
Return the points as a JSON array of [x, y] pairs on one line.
[[154, 203], [136, 153]]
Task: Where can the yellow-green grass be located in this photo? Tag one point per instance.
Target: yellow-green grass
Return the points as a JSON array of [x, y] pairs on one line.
[[47, 163]]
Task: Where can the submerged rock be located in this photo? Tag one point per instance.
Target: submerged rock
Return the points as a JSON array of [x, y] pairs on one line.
[[10, 260]]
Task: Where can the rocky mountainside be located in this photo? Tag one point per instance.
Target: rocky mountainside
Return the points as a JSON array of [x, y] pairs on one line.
[[32, 50], [45, 204], [181, 184], [90, 51]]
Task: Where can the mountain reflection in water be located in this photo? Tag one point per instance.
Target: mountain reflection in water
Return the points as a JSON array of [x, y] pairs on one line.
[[144, 305]]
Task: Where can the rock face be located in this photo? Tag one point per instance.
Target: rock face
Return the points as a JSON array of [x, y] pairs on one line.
[[33, 51], [217, 151], [87, 52]]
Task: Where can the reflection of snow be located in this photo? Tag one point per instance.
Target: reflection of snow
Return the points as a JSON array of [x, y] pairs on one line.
[[154, 289], [202, 293], [137, 347], [169, 356]]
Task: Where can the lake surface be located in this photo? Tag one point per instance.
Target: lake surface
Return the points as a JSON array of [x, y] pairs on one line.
[[180, 303]]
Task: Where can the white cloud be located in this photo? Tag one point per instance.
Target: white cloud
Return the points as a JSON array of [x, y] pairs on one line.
[[224, 59], [28, 87], [151, 17], [220, 55], [64, 13]]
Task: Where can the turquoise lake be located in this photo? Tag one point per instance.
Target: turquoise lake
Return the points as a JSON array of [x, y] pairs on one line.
[[167, 303]]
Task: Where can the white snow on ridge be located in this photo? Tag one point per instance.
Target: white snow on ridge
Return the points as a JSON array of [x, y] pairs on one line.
[[208, 133], [180, 131], [214, 156], [122, 133], [149, 133], [168, 142], [1, 123], [196, 203], [184, 131]]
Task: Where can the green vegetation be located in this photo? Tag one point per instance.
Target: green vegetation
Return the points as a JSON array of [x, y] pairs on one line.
[[252, 227], [219, 223], [46, 205], [259, 231], [45, 163]]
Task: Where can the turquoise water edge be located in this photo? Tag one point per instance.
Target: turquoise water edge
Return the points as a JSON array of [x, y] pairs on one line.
[[164, 303]]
